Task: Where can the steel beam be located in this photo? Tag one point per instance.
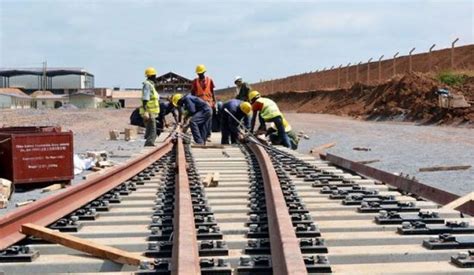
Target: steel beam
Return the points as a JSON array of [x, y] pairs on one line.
[[51, 208], [407, 185], [285, 249], [185, 255]]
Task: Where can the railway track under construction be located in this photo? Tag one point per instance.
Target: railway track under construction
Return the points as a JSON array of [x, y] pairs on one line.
[[266, 211]]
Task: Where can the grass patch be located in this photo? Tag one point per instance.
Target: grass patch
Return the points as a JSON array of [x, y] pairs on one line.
[[451, 78]]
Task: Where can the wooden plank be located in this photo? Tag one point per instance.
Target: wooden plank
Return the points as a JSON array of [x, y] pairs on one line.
[[95, 249], [208, 180], [52, 187], [368, 161], [319, 149], [215, 179], [444, 168]]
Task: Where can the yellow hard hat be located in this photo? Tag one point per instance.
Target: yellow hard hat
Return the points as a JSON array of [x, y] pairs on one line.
[[150, 71], [253, 95], [246, 107], [175, 98], [200, 69]]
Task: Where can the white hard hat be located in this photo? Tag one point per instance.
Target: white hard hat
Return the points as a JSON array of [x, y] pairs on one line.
[[238, 78]]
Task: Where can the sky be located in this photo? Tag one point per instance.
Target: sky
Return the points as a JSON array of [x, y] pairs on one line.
[[259, 40]]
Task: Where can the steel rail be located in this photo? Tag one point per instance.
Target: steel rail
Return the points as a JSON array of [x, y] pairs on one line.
[[285, 250], [51, 208], [407, 185], [185, 255]]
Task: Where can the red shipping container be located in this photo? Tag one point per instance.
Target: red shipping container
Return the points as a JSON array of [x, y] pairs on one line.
[[36, 155]]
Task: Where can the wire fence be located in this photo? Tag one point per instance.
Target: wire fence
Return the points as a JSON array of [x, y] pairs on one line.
[[372, 72]]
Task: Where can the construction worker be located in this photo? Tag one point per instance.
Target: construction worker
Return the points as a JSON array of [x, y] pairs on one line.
[[242, 89], [150, 107], [267, 111], [200, 113], [166, 108], [232, 112], [272, 135], [203, 87]]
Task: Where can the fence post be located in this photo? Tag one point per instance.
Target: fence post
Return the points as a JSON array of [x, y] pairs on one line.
[[368, 70], [357, 71], [394, 65], [347, 72], [430, 61], [339, 76], [380, 69], [409, 61], [452, 52]]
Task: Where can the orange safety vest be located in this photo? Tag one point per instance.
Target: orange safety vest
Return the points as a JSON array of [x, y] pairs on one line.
[[205, 93]]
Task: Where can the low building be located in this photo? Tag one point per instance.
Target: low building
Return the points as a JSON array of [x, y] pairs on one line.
[[85, 100], [48, 100], [171, 83], [12, 98], [58, 80], [128, 98]]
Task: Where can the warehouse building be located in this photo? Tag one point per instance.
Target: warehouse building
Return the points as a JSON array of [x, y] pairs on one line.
[[48, 100], [56, 80], [11, 98], [128, 98], [85, 100]]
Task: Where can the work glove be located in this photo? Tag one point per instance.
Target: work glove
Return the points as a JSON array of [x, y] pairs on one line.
[[146, 116]]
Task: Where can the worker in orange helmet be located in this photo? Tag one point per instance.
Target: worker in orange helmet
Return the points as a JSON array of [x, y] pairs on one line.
[[203, 87]]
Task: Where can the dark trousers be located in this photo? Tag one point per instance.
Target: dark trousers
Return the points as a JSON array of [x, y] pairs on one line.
[[285, 140], [230, 128], [150, 132], [200, 125]]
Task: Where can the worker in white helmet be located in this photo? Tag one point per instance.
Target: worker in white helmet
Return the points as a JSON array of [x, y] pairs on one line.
[[242, 89]]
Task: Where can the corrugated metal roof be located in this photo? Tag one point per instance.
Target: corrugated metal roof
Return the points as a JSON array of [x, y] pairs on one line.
[[13, 92]]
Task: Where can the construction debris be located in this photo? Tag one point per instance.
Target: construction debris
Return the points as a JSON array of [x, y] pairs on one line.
[[368, 161], [130, 134], [444, 168], [114, 135], [5, 192], [321, 148], [89, 247], [211, 180], [361, 149], [215, 179], [53, 187], [23, 203], [208, 180]]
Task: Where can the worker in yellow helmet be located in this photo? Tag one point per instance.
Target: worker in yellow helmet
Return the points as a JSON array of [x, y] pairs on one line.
[[233, 110], [267, 111], [199, 111], [203, 87], [150, 106]]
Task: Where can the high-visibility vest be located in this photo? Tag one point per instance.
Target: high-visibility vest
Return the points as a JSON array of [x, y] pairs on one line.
[[205, 93], [153, 105], [269, 109]]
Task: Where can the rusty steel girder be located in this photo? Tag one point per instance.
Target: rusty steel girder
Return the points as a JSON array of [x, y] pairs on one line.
[[51, 208], [285, 249], [407, 185], [185, 255]]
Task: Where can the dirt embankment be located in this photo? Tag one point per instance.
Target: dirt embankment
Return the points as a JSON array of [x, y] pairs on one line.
[[410, 97]]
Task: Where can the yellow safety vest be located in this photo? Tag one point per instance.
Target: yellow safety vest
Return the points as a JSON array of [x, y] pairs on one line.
[[153, 105], [269, 110]]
